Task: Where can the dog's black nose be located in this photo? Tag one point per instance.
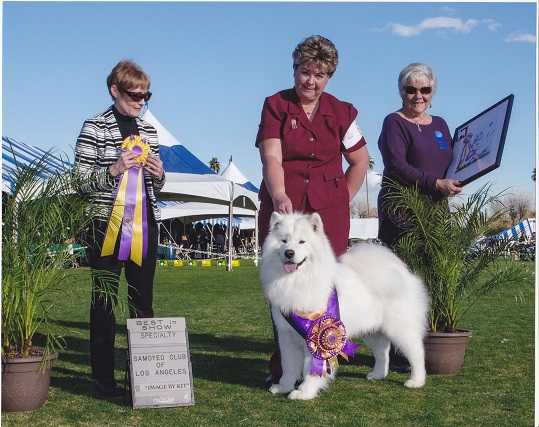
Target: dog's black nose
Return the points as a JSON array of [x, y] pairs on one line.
[[289, 253]]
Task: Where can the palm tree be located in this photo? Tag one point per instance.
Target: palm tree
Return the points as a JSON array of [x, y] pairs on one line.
[[214, 164], [371, 165], [443, 246]]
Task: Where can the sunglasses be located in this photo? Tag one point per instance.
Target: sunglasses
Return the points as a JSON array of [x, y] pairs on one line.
[[411, 90], [137, 96]]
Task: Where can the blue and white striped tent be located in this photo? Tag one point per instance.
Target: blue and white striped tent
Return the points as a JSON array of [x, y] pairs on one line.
[[524, 228], [18, 154], [243, 223]]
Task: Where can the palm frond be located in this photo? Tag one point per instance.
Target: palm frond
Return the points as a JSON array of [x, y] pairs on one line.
[[40, 215], [438, 243]]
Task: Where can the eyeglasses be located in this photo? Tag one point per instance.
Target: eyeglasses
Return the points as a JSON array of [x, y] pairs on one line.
[[137, 96], [411, 90]]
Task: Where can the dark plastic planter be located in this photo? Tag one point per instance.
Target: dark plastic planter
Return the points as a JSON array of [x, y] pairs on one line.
[[444, 351]]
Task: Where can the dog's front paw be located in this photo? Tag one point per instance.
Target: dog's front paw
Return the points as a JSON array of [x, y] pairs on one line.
[[280, 389], [301, 395], [415, 383]]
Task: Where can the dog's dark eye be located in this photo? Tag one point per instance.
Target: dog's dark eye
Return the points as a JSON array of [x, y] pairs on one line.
[[301, 242], [284, 240]]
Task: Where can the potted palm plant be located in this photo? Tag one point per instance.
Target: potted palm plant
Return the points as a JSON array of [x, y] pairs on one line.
[[39, 216], [441, 245]]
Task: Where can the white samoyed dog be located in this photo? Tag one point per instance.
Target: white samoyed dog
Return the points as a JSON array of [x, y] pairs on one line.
[[380, 300]]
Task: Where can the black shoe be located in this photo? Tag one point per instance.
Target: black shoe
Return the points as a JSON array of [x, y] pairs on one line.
[[108, 390]]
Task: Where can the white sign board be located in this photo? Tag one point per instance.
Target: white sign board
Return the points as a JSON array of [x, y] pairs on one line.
[[160, 364]]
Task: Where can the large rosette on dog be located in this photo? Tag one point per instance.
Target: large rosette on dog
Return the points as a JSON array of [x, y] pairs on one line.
[[325, 336], [129, 209]]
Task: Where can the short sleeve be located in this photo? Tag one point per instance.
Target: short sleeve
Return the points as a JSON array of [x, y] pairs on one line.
[[270, 122], [352, 138]]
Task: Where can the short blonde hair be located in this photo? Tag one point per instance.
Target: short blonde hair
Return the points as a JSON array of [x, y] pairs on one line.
[[127, 75], [316, 49], [416, 71]]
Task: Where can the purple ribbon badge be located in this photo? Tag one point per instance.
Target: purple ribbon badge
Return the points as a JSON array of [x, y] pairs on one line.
[[325, 337]]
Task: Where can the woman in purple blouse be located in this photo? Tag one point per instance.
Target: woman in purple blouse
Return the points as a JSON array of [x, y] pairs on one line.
[[416, 147]]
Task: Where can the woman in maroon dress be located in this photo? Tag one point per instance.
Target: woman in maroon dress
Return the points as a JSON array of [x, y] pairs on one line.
[[303, 135]]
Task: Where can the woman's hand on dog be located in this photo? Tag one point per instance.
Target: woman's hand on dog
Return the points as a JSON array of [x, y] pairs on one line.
[[282, 203]]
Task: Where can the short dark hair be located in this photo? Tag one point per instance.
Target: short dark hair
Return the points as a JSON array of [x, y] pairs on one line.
[[316, 49]]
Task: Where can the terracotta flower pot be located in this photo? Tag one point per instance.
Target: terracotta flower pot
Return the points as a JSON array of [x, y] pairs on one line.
[[444, 351], [25, 386]]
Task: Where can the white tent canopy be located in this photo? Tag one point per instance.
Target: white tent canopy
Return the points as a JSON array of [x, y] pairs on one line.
[[189, 180], [232, 173], [363, 228], [194, 211]]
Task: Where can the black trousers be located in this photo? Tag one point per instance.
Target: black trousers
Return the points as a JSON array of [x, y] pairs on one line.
[[105, 281]]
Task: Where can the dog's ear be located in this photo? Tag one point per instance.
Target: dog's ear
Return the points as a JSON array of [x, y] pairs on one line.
[[317, 223], [274, 220]]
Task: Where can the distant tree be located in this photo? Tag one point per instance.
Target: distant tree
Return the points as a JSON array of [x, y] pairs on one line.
[[533, 175], [512, 209], [519, 205], [214, 164]]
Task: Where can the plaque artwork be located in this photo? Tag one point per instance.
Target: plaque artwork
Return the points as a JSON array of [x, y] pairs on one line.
[[478, 143]]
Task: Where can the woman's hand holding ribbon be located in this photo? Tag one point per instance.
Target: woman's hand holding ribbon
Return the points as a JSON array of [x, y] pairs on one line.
[[154, 165], [125, 161]]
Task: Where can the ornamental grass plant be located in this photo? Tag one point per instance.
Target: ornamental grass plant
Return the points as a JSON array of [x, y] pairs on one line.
[[42, 217], [441, 244]]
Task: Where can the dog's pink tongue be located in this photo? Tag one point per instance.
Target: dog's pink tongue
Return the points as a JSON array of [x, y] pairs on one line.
[[289, 267]]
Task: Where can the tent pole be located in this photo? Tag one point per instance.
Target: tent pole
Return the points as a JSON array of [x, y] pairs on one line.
[[229, 231], [210, 229], [256, 239]]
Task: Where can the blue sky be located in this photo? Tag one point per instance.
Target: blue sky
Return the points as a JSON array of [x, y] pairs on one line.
[[212, 65]]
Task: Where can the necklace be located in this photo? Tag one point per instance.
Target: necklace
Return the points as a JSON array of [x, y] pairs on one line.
[[415, 121], [309, 114]]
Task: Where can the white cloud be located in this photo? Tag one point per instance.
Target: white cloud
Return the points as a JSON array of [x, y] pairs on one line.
[[456, 25], [518, 37], [403, 30], [491, 24]]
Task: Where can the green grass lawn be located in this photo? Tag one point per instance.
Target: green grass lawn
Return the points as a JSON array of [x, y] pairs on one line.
[[231, 340]]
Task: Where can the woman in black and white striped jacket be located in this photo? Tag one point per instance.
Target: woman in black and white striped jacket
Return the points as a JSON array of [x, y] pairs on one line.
[[101, 163]]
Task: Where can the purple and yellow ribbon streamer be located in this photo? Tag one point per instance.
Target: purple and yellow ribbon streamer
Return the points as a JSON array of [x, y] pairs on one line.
[[325, 336], [129, 209]]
